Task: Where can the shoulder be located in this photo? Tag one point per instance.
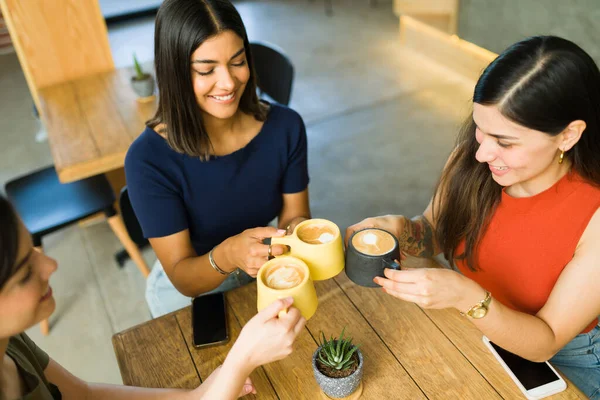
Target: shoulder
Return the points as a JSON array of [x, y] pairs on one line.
[[147, 149], [142, 146], [591, 234], [23, 347], [283, 115]]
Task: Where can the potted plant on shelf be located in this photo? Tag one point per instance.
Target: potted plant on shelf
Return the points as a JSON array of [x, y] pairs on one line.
[[142, 83], [338, 366]]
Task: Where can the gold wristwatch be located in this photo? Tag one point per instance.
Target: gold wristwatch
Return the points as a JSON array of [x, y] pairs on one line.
[[480, 309]]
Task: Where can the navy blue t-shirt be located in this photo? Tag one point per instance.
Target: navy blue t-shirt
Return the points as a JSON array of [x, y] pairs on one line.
[[221, 197]]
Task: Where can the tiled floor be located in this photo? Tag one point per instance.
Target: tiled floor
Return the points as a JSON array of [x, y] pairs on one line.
[[381, 122]]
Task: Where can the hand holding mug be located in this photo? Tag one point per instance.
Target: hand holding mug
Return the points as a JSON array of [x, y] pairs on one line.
[[267, 337], [247, 251], [432, 288]]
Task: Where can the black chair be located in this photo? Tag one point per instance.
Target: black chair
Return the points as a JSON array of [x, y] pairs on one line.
[[274, 72], [46, 205], [131, 224]]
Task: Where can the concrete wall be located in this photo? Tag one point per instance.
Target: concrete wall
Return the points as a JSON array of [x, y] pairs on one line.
[[495, 24]]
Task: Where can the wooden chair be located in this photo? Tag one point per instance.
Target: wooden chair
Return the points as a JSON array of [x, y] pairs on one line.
[[56, 42]]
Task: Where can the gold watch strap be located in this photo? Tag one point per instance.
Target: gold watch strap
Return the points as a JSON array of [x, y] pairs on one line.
[[483, 303]]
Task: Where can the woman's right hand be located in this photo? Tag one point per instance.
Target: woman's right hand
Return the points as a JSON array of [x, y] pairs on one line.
[[394, 224], [268, 337], [247, 251]]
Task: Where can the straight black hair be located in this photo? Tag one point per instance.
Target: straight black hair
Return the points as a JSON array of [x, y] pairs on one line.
[[181, 27]]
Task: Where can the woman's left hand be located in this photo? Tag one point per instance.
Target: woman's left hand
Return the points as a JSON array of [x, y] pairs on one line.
[[432, 287]]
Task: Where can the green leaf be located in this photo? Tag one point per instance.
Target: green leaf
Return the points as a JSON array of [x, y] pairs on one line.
[[347, 365], [349, 354], [138, 69]]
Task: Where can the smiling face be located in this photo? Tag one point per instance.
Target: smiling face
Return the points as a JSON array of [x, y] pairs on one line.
[[219, 74], [26, 298], [516, 155]]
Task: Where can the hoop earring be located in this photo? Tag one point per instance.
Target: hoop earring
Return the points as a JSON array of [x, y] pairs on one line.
[[562, 156]]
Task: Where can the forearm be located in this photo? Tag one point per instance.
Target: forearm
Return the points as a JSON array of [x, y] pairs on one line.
[[98, 391], [523, 334], [228, 383], [195, 275], [417, 237]]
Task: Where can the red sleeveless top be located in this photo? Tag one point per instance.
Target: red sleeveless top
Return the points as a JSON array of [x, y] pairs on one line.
[[530, 240]]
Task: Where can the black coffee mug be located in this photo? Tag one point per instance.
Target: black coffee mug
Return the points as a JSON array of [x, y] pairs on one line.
[[361, 268]]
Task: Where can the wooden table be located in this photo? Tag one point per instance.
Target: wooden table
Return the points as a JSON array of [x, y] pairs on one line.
[[410, 353], [91, 122]]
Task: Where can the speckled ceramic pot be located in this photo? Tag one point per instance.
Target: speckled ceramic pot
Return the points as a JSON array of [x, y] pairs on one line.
[[144, 87], [338, 387]]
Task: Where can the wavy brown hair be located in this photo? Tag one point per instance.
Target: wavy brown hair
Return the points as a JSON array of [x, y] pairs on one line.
[[542, 83], [181, 27]]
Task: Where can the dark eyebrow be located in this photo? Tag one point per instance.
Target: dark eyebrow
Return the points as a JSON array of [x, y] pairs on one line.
[[505, 137], [23, 261], [240, 51]]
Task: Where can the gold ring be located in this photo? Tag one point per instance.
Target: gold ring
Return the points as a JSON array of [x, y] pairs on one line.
[[270, 254]]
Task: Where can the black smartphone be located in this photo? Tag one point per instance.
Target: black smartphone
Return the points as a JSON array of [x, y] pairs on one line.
[[209, 320]]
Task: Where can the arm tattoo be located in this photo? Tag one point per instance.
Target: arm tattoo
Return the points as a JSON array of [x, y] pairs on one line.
[[417, 238]]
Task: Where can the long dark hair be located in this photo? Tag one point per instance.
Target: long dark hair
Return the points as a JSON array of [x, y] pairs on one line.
[[182, 26], [9, 240], [542, 83]]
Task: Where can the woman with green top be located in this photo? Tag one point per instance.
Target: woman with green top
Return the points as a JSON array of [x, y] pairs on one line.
[[27, 372]]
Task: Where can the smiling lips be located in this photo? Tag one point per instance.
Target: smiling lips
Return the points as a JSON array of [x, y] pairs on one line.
[[228, 98], [47, 295], [498, 171]]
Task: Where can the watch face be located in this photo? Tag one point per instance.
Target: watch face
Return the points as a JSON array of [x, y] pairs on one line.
[[479, 312]]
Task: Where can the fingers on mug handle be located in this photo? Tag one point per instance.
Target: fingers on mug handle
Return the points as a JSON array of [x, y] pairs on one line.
[[392, 264], [279, 249], [282, 313]]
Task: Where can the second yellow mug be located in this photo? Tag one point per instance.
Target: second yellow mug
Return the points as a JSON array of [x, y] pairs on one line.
[[286, 277], [318, 243]]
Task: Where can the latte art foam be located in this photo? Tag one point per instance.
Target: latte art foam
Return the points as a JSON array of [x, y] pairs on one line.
[[317, 234], [326, 238], [373, 242], [283, 277]]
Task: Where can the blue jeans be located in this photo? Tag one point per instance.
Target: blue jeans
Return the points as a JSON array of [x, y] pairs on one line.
[[163, 298], [579, 360]]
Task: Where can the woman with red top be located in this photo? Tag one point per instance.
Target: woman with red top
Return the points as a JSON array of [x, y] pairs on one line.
[[516, 212]]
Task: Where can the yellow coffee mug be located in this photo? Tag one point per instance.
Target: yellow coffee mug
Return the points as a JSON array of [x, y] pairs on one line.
[[325, 260], [304, 294]]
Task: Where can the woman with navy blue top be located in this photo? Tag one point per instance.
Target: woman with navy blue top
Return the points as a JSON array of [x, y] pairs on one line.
[[215, 165]]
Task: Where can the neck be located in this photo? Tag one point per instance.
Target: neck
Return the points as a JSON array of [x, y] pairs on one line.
[[541, 182], [218, 130]]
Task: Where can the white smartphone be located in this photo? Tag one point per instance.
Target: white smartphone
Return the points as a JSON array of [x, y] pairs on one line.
[[535, 380]]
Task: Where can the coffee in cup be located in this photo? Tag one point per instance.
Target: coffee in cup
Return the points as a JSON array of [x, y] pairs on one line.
[[283, 275], [370, 251], [318, 243], [317, 233], [373, 242]]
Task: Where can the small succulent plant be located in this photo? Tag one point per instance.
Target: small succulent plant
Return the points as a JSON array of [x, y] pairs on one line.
[[337, 353], [139, 73]]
